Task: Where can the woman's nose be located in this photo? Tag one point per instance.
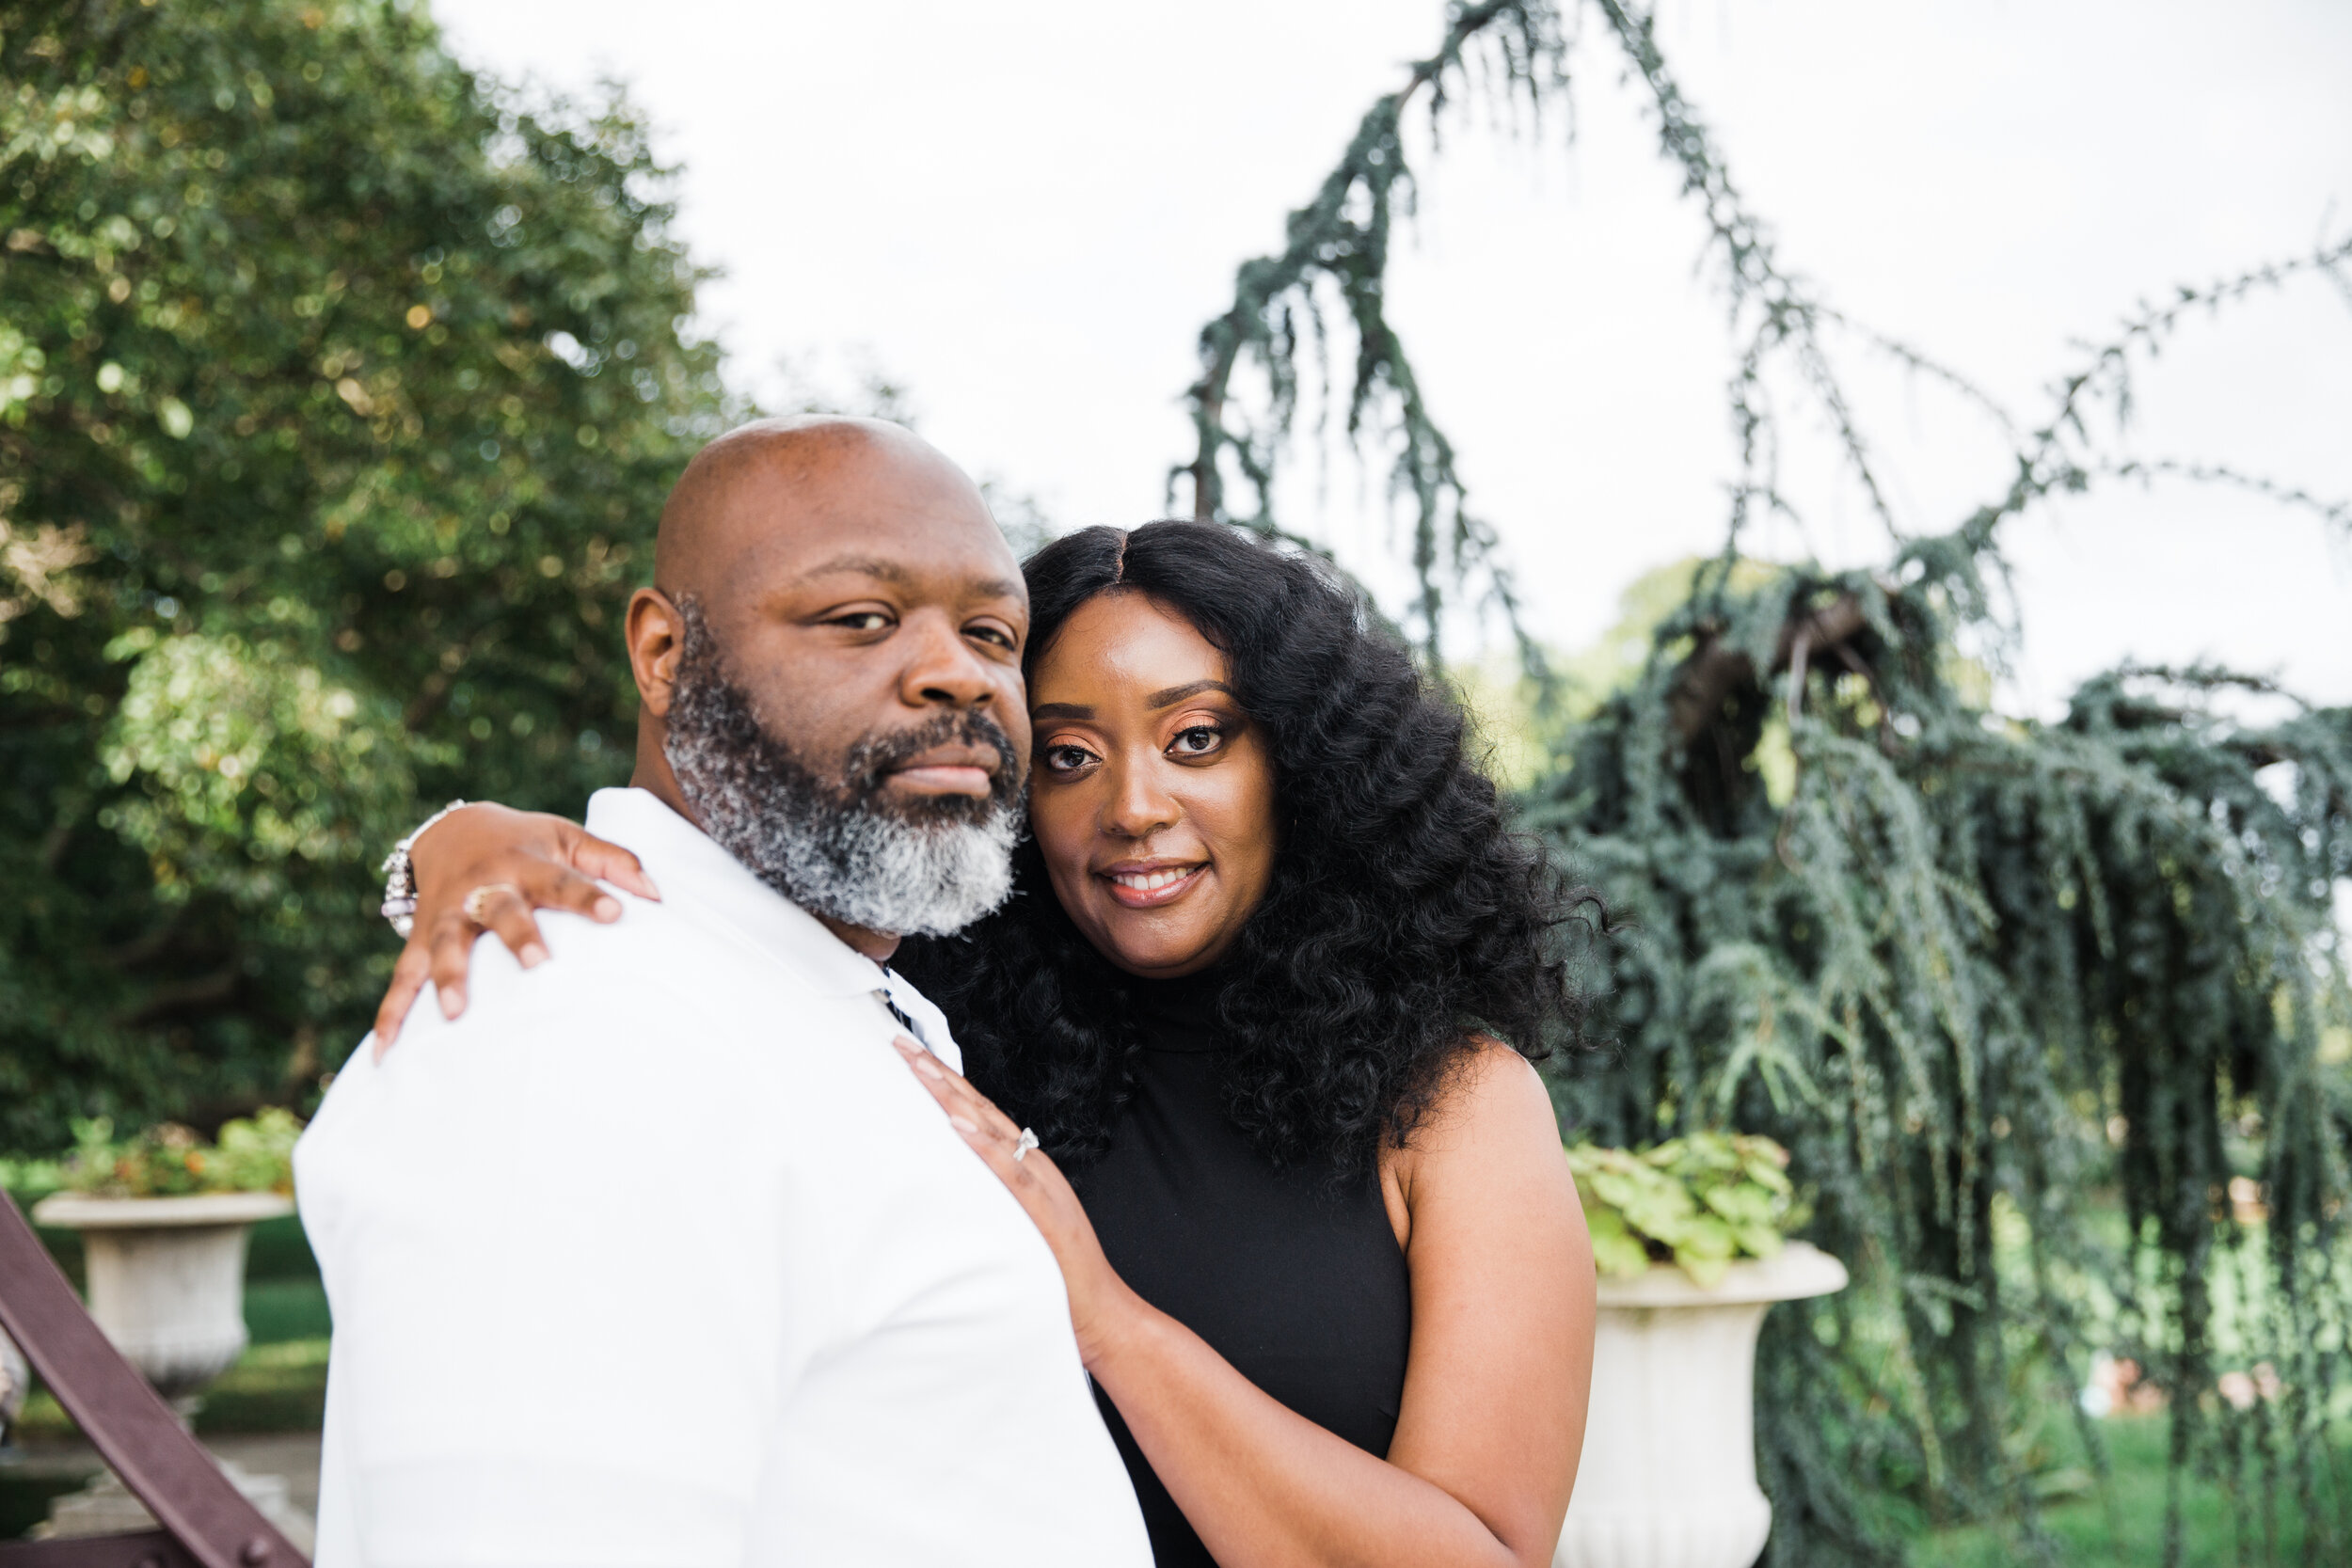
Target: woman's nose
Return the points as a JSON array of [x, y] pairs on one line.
[[1138, 806]]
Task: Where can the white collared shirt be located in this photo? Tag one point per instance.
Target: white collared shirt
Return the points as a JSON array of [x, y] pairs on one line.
[[661, 1255]]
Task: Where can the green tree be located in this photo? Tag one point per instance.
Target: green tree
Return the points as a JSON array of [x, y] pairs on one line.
[[1983, 976], [339, 392]]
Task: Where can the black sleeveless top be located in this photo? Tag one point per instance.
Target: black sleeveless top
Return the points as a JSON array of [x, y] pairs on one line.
[[1303, 1290]]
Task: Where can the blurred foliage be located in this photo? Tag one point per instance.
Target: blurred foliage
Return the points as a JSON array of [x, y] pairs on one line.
[[1968, 968], [2121, 1524], [340, 391], [1523, 718], [253, 1155], [1699, 1201]]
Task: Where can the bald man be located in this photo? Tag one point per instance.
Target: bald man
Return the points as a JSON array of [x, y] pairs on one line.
[[659, 1254]]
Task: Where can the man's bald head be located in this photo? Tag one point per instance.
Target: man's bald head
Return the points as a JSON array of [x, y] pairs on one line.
[[835, 630], [771, 478]]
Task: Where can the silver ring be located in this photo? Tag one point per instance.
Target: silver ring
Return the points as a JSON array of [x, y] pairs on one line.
[[475, 900], [1027, 1142]]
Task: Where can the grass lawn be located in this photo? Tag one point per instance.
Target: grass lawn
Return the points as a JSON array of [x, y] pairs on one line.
[[2126, 1526]]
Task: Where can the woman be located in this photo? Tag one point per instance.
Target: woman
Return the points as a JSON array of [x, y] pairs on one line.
[[1270, 936]]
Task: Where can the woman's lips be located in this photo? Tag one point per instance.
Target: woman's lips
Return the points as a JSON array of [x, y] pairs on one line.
[[1149, 887]]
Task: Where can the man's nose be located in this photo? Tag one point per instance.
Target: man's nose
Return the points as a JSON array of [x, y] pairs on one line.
[[942, 668]]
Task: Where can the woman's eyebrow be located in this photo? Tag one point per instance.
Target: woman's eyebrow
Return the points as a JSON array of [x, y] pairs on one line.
[[1062, 710], [1178, 693]]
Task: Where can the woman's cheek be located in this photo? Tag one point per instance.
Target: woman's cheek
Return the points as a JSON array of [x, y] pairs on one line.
[[1242, 808], [1062, 849]]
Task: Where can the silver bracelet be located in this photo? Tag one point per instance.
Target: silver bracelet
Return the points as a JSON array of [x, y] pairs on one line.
[[400, 877]]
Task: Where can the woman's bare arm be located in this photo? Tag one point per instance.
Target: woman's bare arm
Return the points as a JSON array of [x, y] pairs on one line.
[[1487, 1445], [535, 861], [1504, 1305]]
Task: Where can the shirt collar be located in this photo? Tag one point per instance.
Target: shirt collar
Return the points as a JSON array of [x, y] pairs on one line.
[[691, 869]]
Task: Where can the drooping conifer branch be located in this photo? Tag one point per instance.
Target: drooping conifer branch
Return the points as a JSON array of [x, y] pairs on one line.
[[1975, 970], [1340, 243], [1340, 240]]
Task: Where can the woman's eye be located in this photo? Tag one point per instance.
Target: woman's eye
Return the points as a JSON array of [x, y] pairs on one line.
[[1199, 740], [1067, 759]]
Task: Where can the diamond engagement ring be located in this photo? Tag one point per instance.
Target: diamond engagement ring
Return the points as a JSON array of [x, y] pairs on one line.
[[1020, 1149], [481, 896]]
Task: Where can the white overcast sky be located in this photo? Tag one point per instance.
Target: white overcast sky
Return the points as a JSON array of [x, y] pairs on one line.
[[1025, 211]]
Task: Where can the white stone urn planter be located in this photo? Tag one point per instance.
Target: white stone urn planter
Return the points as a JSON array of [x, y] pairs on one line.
[[16, 1380], [1668, 1477], [167, 1277]]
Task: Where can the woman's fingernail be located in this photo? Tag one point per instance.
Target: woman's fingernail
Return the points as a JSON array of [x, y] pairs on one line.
[[606, 909], [453, 1001], [962, 1124], [928, 1068], [532, 955]]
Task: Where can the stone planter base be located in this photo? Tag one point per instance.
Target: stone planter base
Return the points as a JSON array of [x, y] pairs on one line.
[[1668, 1477], [105, 1507]]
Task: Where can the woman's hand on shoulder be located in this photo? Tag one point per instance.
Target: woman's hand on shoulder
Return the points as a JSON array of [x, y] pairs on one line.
[[517, 861], [1101, 1303]]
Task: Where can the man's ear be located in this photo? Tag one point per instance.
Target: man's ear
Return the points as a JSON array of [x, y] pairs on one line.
[[656, 630]]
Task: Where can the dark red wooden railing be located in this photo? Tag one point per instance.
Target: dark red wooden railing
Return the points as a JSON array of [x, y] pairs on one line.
[[207, 1523]]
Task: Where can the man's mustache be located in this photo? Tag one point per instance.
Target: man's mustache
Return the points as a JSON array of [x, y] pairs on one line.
[[873, 759]]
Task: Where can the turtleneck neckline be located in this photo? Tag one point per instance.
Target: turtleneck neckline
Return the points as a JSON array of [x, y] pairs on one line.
[[1179, 1014]]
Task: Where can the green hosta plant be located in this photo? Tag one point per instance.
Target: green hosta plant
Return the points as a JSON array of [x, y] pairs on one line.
[[1700, 1201], [255, 1156]]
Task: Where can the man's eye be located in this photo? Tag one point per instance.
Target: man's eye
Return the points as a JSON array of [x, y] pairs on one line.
[[1197, 741], [986, 633], [862, 619]]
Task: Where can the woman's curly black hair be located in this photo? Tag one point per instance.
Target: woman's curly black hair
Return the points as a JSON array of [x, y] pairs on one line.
[[1405, 916]]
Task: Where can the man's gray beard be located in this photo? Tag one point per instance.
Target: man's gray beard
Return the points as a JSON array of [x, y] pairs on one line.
[[841, 850]]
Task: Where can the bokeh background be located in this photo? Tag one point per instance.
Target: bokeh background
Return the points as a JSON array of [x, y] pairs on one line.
[[1894, 530]]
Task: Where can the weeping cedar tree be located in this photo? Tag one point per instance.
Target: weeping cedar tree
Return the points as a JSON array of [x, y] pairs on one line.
[[336, 390], [1979, 974]]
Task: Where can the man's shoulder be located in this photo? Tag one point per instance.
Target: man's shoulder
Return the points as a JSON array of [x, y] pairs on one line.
[[656, 953], [651, 1031], [610, 999]]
